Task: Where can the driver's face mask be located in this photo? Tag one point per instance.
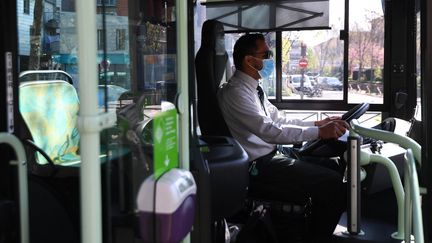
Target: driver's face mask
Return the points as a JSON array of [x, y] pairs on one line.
[[268, 66]]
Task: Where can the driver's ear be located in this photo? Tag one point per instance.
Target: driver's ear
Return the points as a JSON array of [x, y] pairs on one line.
[[252, 61], [248, 59]]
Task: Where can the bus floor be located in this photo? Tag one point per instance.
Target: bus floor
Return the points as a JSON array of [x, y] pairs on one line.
[[378, 220]]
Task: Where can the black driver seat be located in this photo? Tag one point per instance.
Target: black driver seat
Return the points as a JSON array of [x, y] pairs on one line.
[[228, 173], [227, 160], [211, 62]]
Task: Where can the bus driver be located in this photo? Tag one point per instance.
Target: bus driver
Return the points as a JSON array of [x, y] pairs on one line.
[[258, 127]]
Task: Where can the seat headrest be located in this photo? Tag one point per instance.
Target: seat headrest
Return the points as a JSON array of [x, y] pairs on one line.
[[213, 36], [50, 110]]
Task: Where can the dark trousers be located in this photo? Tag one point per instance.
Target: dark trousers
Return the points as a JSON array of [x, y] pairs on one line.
[[291, 179]]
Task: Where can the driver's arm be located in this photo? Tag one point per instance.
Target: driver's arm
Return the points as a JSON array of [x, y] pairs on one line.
[[283, 120], [327, 120], [329, 128], [242, 113]]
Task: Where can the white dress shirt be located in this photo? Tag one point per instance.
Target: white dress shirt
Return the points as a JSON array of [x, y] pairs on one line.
[[257, 132]]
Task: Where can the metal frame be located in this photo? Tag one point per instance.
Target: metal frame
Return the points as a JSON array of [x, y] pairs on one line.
[[90, 178], [50, 73], [273, 5], [21, 162], [400, 62], [426, 77], [183, 80], [203, 219], [367, 158], [278, 68], [321, 115], [322, 105], [90, 123], [413, 211], [415, 152], [340, 105], [353, 183], [344, 35], [9, 67]]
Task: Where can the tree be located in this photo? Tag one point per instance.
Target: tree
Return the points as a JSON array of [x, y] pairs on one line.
[[312, 59], [360, 42], [377, 38], [329, 53], [35, 36], [288, 41], [366, 44], [322, 51]]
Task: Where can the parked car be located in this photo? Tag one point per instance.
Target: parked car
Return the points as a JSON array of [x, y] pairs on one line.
[[313, 77], [330, 83], [114, 92], [295, 81]]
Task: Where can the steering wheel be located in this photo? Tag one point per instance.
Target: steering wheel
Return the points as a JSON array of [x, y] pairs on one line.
[[355, 112], [326, 148]]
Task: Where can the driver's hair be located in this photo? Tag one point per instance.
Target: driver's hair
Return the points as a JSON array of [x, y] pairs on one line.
[[246, 45]]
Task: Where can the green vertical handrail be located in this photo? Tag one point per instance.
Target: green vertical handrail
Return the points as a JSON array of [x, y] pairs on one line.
[[411, 181], [413, 211], [88, 120], [367, 158], [183, 84], [21, 162], [183, 80], [404, 141], [398, 189]]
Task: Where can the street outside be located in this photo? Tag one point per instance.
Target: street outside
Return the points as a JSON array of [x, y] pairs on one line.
[[369, 119], [353, 97]]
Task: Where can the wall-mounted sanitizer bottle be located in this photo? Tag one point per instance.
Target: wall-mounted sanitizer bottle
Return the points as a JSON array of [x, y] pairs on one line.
[[167, 206]]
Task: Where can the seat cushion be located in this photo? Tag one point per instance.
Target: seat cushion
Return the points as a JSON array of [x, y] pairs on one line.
[[229, 177]]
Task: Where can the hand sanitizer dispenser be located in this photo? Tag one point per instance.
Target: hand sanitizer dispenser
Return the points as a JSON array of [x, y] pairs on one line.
[[167, 206]]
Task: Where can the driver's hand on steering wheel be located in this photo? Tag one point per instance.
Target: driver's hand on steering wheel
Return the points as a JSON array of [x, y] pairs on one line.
[[333, 129], [327, 120]]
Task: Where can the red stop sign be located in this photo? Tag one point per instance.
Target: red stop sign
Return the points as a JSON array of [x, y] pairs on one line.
[[303, 63]]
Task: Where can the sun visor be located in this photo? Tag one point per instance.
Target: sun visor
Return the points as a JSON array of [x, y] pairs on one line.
[[265, 16]]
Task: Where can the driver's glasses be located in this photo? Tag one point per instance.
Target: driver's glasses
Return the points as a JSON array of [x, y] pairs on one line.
[[265, 54]]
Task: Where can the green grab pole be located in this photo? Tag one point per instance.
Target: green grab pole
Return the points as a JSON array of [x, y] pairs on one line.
[[413, 190], [21, 162], [398, 189], [408, 204], [183, 80], [364, 158], [88, 120], [386, 136], [415, 197], [353, 133], [183, 85]]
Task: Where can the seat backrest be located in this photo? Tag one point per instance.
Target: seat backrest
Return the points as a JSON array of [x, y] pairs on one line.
[[50, 110], [210, 65]]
